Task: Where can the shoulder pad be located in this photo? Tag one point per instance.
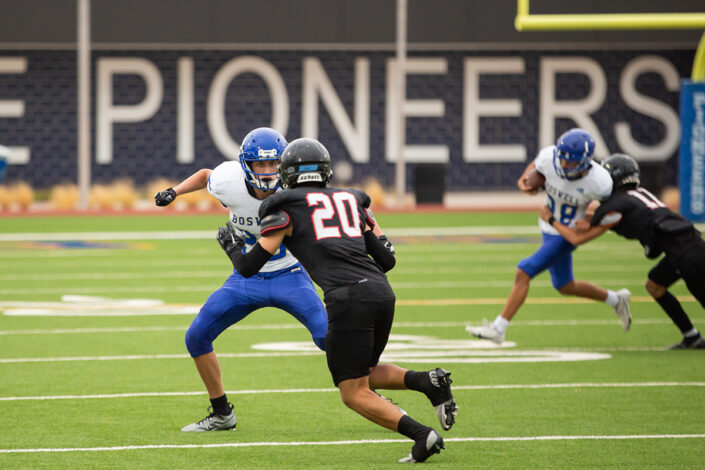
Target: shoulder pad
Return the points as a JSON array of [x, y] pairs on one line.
[[273, 202], [361, 197], [274, 221]]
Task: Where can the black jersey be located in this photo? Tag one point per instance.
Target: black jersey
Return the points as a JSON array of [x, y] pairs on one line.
[[327, 237], [640, 215]]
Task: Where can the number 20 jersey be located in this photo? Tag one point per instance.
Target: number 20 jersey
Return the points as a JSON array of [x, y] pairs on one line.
[[570, 198], [327, 235], [227, 184]]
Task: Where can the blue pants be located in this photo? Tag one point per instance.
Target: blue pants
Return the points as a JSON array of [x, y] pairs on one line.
[[289, 289], [556, 255]]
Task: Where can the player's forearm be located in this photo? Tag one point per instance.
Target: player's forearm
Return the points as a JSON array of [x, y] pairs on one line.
[[248, 264], [196, 181], [381, 250]]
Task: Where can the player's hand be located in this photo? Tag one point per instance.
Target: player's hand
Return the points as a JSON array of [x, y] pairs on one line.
[[545, 213], [524, 187], [582, 225], [229, 240], [164, 198]]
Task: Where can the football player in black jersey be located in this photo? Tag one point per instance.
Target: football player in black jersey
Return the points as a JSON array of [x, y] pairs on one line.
[[634, 213], [333, 234]]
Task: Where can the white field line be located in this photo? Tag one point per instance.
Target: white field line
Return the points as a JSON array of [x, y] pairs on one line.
[[223, 273], [283, 326], [151, 356], [335, 390], [358, 442], [210, 287], [210, 234], [502, 355]]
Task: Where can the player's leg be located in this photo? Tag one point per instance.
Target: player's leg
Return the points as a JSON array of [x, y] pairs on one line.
[[351, 352], [293, 292], [552, 248], [435, 383], [223, 308], [564, 282], [661, 277]]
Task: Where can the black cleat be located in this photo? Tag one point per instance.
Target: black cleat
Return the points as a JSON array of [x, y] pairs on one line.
[[424, 448], [442, 398], [697, 342]]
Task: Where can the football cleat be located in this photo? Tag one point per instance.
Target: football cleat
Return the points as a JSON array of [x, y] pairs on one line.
[[442, 398], [622, 308], [690, 343], [214, 422], [424, 448], [486, 331]]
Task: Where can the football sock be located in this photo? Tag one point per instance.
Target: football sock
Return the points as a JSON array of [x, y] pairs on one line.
[[612, 298], [412, 428], [500, 324], [674, 310], [220, 405], [419, 381], [692, 333]]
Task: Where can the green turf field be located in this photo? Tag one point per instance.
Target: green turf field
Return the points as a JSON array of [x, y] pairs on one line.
[[101, 379]]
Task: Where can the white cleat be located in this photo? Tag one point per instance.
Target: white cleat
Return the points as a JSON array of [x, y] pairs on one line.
[[622, 308], [214, 422], [488, 331], [424, 448]]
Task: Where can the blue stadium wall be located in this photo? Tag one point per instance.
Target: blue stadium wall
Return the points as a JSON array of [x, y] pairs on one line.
[[145, 150]]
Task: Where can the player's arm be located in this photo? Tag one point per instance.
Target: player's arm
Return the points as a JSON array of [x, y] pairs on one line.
[[196, 181], [273, 228], [522, 181], [571, 235], [377, 244]]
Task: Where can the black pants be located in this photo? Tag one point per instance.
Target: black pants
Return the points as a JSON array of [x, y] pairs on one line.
[[688, 264], [359, 321]]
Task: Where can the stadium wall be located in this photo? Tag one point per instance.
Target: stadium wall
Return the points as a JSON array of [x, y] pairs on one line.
[[176, 85]]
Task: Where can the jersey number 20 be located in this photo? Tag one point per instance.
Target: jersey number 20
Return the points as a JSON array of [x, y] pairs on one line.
[[327, 207]]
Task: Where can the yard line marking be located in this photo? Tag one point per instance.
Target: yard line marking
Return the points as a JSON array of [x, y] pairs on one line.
[[216, 284], [147, 356], [140, 329], [330, 390], [208, 234], [350, 442]]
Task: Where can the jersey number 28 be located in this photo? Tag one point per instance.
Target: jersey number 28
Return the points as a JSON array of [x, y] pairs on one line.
[[327, 208]]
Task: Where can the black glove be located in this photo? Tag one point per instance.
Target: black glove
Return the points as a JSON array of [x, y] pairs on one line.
[[229, 241], [164, 198], [387, 244]]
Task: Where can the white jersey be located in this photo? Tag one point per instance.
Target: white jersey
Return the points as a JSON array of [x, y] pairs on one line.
[[570, 198], [227, 184]]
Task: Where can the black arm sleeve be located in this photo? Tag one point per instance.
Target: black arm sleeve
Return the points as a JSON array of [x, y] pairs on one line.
[[380, 253], [249, 264]]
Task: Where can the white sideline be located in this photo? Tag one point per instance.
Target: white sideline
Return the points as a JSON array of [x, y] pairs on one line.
[[365, 441], [291, 326], [210, 234], [330, 390]]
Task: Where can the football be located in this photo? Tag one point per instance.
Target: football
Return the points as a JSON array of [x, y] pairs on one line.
[[535, 180]]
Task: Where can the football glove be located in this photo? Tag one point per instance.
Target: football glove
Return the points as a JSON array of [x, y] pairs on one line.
[[164, 198], [387, 244], [229, 241]]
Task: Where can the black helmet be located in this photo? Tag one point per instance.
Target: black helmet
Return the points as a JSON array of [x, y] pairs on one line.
[[304, 161], [622, 168]]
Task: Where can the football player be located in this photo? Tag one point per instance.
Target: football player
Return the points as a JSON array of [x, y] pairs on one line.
[[634, 213], [573, 180], [333, 234], [241, 186]]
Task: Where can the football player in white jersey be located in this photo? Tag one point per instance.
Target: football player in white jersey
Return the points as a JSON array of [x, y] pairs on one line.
[[282, 282], [573, 180]]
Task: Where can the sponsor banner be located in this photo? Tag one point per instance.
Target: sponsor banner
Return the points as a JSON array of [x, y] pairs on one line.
[[692, 150], [481, 114]]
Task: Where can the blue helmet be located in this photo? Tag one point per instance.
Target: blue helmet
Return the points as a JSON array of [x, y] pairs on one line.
[[261, 144], [571, 157]]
